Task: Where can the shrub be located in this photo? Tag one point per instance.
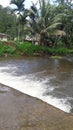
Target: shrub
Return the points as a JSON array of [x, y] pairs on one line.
[[60, 43], [9, 49]]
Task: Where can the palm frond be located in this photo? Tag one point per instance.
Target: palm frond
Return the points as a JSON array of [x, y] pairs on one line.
[[58, 17], [58, 33], [53, 26]]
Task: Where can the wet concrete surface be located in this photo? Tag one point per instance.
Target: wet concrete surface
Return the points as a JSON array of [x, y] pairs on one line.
[[19, 111]]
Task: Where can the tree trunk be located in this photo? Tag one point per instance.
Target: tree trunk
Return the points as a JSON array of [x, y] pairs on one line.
[[19, 32]]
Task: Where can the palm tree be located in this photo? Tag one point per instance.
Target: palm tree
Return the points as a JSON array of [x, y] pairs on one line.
[[23, 22], [43, 22], [19, 9]]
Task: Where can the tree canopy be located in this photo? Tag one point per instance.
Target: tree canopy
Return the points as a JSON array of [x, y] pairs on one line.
[[46, 21], [7, 22]]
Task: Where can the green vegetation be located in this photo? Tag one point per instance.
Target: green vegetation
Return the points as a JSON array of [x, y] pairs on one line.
[[8, 22], [56, 57], [50, 25], [7, 50], [29, 49]]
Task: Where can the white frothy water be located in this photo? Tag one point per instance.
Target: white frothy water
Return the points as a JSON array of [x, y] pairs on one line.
[[30, 85]]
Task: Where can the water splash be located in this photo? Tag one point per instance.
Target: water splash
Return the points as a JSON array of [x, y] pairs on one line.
[[34, 86]]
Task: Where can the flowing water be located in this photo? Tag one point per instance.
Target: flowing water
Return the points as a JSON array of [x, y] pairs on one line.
[[45, 78]]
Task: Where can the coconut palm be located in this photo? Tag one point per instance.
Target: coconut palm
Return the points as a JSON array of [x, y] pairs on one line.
[[19, 9], [23, 22], [43, 22]]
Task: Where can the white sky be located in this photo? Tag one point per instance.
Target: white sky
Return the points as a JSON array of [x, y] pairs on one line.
[[6, 3]]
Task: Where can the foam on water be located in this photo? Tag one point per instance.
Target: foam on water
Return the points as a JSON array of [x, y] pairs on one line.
[[33, 86]]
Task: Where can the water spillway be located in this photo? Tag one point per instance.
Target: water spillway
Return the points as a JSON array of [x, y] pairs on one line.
[[50, 80]]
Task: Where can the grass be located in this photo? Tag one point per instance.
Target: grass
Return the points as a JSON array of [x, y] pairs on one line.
[[6, 49], [30, 49], [56, 57], [26, 48]]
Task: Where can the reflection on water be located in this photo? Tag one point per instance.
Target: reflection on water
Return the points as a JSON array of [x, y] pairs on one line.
[[48, 79]]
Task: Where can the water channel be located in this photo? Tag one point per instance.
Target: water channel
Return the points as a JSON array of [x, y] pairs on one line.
[[48, 79]]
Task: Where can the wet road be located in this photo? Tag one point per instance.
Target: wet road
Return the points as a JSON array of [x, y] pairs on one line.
[[22, 112]]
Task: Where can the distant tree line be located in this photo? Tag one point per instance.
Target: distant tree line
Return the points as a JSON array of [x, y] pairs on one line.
[[8, 22], [50, 23]]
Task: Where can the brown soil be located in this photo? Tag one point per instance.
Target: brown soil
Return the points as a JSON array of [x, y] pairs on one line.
[[19, 111]]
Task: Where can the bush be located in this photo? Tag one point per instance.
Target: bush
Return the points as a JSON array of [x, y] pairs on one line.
[[1, 49], [30, 49], [60, 43], [9, 49], [61, 51]]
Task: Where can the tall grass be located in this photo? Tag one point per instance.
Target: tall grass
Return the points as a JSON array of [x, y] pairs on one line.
[[30, 49], [6, 49]]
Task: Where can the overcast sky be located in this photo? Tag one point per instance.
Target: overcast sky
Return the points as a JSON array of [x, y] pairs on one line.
[[6, 3]]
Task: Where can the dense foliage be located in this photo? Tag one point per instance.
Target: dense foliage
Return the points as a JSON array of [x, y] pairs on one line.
[[16, 49], [53, 23], [8, 22], [48, 23]]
